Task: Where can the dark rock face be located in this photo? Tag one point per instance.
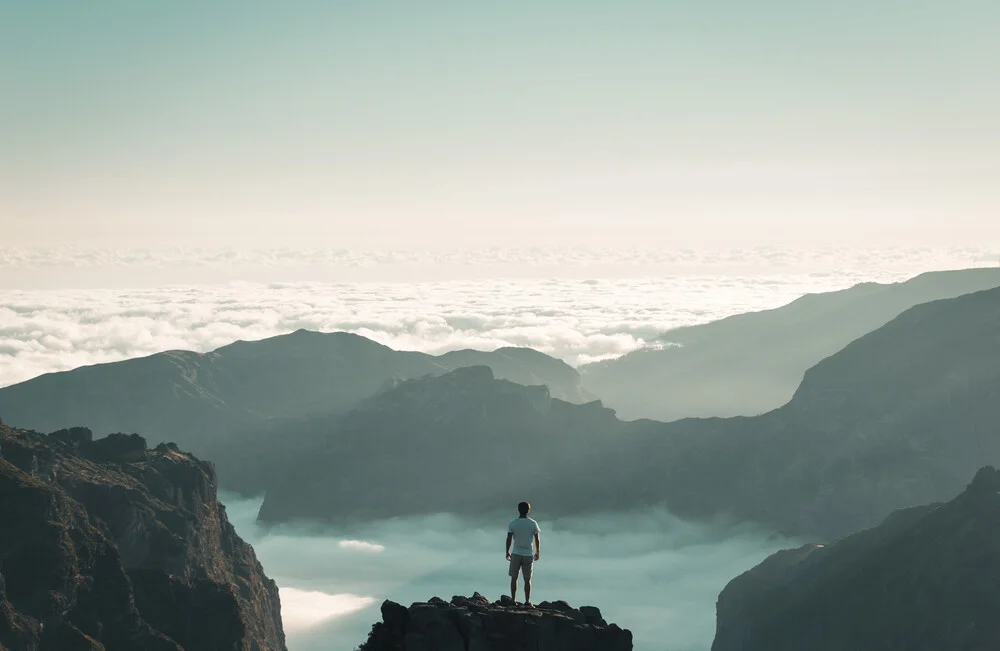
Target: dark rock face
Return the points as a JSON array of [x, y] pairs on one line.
[[109, 545], [752, 363], [923, 580], [475, 624]]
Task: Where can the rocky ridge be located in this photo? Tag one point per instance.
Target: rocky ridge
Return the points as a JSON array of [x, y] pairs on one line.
[[109, 545], [206, 402], [923, 580], [748, 364], [475, 624]]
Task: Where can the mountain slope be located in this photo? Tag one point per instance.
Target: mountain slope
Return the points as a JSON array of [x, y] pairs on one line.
[[925, 579], [751, 363], [461, 442], [901, 416], [195, 399], [109, 545]]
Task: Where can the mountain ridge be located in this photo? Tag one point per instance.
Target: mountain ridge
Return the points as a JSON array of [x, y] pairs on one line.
[[826, 464], [748, 364], [923, 579]]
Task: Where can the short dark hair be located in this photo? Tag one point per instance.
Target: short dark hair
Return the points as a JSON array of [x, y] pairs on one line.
[[523, 508]]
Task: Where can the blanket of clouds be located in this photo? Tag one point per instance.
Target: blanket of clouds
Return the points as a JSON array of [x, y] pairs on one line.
[[647, 570], [61, 308], [578, 320], [68, 266]]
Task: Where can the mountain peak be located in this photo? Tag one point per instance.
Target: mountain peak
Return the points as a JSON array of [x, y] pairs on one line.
[[987, 480]]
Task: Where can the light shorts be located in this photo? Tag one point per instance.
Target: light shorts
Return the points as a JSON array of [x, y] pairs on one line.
[[522, 564]]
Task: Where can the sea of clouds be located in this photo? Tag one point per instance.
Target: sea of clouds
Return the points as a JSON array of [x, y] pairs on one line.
[[64, 308], [577, 320], [647, 571]]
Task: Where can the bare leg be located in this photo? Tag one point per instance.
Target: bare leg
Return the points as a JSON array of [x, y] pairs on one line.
[[527, 591], [513, 588]]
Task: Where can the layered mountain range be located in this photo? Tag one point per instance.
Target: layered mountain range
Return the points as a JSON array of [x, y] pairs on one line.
[[923, 580], [751, 363], [202, 400], [109, 545], [899, 417]]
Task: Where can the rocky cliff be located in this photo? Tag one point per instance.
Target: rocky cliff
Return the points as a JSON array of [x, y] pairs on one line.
[[475, 624], [109, 545], [924, 580]]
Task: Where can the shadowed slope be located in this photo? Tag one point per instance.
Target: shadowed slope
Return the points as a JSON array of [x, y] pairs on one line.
[[925, 579]]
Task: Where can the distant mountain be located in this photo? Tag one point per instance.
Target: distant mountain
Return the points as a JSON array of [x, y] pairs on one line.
[[193, 398], [460, 442], [105, 544], [924, 580], [899, 417], [751, 363]]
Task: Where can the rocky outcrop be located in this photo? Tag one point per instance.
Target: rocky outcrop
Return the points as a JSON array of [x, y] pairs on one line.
[[107, 544], [751, 363], [923, 580], [475, 624]]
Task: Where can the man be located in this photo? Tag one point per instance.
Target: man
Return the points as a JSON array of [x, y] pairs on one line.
[[522, 531]]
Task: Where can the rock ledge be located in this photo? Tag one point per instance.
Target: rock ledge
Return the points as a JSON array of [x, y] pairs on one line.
[[475, 624]]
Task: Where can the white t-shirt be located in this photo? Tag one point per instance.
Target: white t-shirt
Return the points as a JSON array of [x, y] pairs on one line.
[[524, 530]]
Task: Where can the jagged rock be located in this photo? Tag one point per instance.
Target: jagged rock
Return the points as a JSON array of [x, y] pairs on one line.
[[923, 580], [108, 545], [475, 624]]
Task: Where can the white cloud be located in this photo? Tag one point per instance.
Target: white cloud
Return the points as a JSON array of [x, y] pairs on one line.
[[578, 320], [302, 610], [361, 546]]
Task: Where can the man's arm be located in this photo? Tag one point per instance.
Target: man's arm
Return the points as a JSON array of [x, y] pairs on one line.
[[510, 536], [538, 545]]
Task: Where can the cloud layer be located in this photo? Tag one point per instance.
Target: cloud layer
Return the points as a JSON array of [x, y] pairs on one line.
[[647, 571], [579, 320]]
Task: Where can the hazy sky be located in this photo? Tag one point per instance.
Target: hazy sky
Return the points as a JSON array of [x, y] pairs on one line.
[[460, 124]]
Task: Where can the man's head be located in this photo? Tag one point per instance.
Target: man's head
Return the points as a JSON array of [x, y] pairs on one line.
[[523, 508]]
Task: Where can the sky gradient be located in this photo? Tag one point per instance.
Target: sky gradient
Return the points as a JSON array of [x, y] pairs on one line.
[[457, 124]]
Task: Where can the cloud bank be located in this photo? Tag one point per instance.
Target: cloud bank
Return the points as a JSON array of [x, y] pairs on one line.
[[647, 571], [579, 320], [62, 267]]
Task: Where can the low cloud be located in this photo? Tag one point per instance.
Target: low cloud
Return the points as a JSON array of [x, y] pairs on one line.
[[361, 546], [576, 320], [648, 571]]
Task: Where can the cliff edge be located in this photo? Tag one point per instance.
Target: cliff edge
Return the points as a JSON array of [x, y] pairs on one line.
[[475, 624], [109, 545]]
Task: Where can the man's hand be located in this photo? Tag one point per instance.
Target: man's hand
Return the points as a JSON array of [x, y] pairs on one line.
[[536, 556], [508, 556]]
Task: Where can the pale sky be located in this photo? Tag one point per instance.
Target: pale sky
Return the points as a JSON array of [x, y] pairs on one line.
[[468, 124]]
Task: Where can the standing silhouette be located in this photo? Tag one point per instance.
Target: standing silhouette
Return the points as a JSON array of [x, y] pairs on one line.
[[522, 532]]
